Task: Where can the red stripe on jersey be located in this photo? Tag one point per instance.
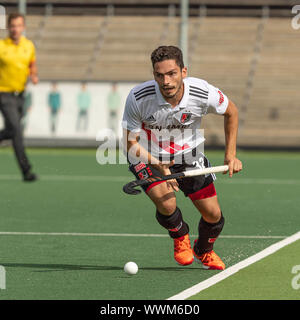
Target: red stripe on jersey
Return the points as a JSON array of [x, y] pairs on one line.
[[204, 193], [168, 146], [150, 135]]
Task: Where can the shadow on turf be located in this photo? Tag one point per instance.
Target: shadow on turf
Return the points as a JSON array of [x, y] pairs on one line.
[[72, 267]]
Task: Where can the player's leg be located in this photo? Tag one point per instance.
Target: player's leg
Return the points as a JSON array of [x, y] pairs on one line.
[[86, 120], [7, 132], [78, 121], [10, 110], [168, 215], [202, 192], [209, 227]]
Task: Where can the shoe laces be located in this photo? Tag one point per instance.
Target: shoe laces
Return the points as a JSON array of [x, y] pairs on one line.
[[208, 257], [181, 244]]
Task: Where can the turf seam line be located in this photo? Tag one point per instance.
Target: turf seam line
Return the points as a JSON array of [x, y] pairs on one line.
[[235, 268]]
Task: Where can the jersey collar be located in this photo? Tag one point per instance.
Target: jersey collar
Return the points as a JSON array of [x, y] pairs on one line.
[[10, 41], [183, 102]]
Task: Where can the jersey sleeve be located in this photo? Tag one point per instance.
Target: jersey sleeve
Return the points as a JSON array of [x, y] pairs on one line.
[[217, 100], [131, 117]]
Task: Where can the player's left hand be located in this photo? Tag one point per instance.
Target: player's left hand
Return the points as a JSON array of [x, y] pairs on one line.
[[234, 164]]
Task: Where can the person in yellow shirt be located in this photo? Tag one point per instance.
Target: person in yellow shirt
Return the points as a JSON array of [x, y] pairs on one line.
[[17, 63]]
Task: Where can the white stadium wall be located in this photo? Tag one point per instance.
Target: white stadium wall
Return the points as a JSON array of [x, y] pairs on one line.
[[38, 118]]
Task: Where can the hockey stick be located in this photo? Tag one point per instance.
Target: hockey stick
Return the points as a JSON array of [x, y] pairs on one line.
[[131, 187]]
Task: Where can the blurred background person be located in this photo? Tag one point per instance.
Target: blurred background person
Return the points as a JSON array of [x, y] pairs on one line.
[[17, 62], [26, 108], [113, 103], [54, 103], [83, 102]]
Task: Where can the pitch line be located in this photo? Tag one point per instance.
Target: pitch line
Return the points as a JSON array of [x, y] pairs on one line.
[[264, 181], [146, 235], [235, 268]]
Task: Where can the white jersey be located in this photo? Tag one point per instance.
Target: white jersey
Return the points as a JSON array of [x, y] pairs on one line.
[[171, 131]]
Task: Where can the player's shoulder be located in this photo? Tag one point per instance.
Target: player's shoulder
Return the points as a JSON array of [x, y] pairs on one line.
[[197, 83], [27, 42], [143, 90], [198, 89]]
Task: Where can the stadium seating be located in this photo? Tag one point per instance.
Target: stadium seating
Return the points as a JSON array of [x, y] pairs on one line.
[[66, 46], [273, 113], [117, 48], [222, 56]]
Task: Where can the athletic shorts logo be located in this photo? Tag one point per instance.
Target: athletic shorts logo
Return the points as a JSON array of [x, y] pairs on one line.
[[139, 167], [221, 99], [185, 117]]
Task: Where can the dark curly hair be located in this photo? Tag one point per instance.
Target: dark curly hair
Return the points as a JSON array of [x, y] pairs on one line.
[[167, 53]]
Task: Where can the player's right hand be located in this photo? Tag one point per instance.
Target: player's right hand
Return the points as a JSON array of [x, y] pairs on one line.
[[164, 168], [173, 185]]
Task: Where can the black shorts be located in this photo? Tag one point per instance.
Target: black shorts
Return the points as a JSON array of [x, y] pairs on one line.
[[198, 187]]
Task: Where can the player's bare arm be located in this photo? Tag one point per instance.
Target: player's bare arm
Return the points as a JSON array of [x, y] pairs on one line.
[[33, 71], [134, 149], [231, 121]]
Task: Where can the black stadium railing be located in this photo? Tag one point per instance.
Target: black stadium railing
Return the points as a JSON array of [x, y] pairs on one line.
[[278, 8]]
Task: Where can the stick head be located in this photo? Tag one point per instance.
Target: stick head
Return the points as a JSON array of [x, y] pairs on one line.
[[131, 188]]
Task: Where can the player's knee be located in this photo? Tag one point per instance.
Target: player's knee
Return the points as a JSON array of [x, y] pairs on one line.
[[212, 215], [167, 207]]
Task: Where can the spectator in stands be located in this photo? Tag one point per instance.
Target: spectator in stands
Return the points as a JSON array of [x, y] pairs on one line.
[[83, 102], [17, 62], [54, 103], [113, 103]]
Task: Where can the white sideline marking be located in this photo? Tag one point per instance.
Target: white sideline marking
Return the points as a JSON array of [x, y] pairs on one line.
[[129, 178], [70, 178], [150, 235], [235, 268]]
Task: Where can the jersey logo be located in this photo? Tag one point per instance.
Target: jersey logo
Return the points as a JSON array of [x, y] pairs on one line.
[[150, 119], [221, 99], [185, 117]]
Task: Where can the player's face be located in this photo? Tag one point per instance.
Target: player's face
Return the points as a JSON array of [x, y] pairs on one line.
[[16, 28], [169, 77]]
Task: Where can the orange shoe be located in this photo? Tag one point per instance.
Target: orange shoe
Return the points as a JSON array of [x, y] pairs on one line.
[[209, 260], [183, 252]]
